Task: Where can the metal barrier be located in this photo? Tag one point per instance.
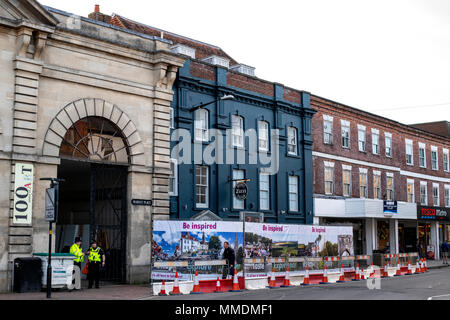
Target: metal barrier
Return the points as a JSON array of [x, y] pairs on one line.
[[314, 264], [255, 267], [332, 263], [348, 262], [413, 257], [210, 269], [364, 261], [391, 260], [167, 270], [403, 259], [279, 264], [296, 264]]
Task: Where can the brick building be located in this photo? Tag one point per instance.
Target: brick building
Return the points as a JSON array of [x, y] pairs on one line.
[[361, 159]]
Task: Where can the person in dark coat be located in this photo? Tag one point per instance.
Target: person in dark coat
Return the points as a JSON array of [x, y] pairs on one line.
[[230, 257]]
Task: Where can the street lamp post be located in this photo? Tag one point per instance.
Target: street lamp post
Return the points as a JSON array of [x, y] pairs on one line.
[[51, 213]]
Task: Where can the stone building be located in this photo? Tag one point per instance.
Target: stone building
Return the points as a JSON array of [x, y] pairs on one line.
[[88, 102]]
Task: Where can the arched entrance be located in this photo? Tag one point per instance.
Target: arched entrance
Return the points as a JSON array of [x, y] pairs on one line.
[[95, 152]]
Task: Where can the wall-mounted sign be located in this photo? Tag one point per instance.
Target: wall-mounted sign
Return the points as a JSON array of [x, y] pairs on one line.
[[23, 194], [241, 191], [390, 207], [433, 213], [50, 203], [140, 202]]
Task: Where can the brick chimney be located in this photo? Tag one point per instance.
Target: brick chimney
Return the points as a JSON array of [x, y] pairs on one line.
[[97, 15]]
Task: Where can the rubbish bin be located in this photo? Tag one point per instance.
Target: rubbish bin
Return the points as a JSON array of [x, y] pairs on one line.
[[27, 275], [62, 269]]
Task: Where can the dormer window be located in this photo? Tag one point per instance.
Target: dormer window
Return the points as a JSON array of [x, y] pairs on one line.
[[244, 69], [217, 61], [182, 49]]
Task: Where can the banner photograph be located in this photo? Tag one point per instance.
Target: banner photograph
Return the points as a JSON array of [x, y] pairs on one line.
[[200, 245]]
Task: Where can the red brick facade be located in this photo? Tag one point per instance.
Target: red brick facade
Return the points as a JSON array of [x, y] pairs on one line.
[[402, 172]]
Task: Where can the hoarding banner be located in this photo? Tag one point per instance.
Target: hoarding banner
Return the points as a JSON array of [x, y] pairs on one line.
[[204, 241]]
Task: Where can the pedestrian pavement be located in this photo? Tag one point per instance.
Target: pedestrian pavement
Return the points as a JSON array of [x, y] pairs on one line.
[[120, 292]]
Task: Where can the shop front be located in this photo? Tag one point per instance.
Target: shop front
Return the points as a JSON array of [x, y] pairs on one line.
[[433, 229]]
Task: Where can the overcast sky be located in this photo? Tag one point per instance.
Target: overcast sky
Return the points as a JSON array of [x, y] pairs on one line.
[[390, 58]]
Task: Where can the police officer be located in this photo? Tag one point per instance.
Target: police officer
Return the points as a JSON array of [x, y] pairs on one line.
[[77, 252], [96, 258]]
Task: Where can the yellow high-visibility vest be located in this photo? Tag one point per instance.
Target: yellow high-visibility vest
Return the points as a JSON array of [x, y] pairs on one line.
[[77, 252], [94, 255]]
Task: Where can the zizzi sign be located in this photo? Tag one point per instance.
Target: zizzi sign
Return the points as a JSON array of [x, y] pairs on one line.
[[433, 213], [23, 194]]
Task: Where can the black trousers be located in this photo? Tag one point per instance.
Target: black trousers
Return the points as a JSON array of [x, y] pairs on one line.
[[94, 274]]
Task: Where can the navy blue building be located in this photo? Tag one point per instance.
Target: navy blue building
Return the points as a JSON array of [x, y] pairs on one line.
[[287, 196]]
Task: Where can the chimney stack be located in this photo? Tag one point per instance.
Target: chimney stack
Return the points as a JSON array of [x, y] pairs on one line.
[[97, 8]]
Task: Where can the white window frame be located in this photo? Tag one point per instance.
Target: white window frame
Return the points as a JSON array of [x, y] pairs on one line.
[[375, 138], [388, 146], [390, 175], [206, 186], [434, 150], [293, 194], [423, 147], [445, 156], [237, 128], [329, 166], [345, 134], [362, 144], [263, 135], [201, 125], [290, 145], [348, 169], [447, 196], [436, 187], [263, 190], [174, 177], [410, 182], [327, 135], [409, 143], [375, 191], [422, 185], [363, 172], [238, 204]]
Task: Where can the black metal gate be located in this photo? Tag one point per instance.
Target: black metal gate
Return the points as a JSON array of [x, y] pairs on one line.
[[108, 217]]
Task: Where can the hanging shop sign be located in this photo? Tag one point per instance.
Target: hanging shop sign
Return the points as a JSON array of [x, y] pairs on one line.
[[241, 191], [23, 194], [433, 213]]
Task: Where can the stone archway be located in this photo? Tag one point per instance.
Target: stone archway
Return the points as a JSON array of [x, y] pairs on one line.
[[85, 108]]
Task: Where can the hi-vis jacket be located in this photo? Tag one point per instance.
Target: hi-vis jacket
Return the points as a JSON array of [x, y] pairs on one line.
[[77, 252]]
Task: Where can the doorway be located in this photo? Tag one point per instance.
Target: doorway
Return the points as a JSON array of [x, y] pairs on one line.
[[93, 206]]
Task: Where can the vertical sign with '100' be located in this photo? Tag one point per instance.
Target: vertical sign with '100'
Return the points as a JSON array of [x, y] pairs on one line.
[[23, 194]]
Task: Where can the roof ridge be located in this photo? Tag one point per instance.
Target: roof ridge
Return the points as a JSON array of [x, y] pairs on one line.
[[168, 32]]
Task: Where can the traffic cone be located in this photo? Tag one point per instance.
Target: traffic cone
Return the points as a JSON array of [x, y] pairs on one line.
[[409, 269], [218, 286], [163, 289], [235, 287], [272, 282], [385, 271], [418, 267], [196, 289], [372, 271], [357, 275], [306, 280], [363, 275], [176, 287], [342, 276], [325, 276], [399, 270], [287, 281]]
